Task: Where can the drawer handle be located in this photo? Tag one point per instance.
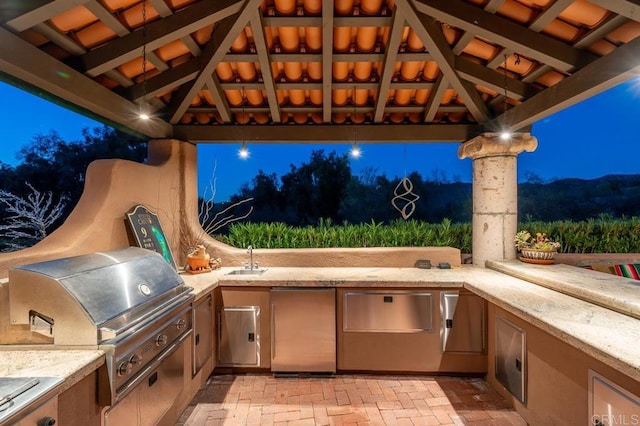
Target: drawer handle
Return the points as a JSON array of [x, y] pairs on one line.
[[387, 299]]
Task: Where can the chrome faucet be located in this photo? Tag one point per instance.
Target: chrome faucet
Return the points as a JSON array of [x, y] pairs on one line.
[[250, 251]]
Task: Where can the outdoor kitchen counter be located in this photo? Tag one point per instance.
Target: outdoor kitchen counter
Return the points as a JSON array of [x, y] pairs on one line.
[[607, 290], [71, 365], [608, 336]]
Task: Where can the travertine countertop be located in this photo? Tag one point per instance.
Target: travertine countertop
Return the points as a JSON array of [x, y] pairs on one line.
[[71, 365], [606, 335], [606, 290]]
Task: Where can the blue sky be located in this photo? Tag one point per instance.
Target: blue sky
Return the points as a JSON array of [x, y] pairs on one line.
[[594, 138]]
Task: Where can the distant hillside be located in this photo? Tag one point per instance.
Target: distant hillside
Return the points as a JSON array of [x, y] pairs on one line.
[[579, 199]]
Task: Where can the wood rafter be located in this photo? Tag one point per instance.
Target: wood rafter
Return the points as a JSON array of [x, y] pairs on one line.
[[33, 66], [627, 8], [222, 105], [431, 36], [390, 55], [549, 15], [505, 32], [221, 39], [608, 71], [61, 40], [159, 33], [327, 63], [282, 133], [265, 64], [161, 7], [26, 19], [493, 80], [431, 108], [106, 17]]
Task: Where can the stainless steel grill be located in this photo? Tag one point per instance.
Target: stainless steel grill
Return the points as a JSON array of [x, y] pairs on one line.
[[130, 302]]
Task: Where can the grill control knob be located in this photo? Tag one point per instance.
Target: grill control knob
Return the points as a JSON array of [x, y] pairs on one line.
[[124, 368], [134, 359], [46, 421], [161, 339], [180, 324]]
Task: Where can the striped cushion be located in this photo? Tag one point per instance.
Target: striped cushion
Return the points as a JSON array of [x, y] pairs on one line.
[[628, 270]]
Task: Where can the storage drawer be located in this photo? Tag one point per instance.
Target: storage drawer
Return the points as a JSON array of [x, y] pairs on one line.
[[388, 312]]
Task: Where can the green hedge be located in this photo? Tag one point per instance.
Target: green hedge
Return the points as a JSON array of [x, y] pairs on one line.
[[601, 235]]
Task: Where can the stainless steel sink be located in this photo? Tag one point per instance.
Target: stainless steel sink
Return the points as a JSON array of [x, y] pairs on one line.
[[247, 272]]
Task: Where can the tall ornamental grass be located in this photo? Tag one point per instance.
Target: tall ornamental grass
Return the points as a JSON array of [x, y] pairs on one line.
[[600, 235]]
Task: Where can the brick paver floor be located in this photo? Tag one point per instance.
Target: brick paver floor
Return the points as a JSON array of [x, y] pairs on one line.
[[348, 400]]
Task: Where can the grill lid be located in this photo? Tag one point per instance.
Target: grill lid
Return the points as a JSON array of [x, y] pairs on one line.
[[105, 284]]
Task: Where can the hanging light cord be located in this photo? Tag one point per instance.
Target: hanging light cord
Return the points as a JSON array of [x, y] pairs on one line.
[[144, 50], [506, 69]]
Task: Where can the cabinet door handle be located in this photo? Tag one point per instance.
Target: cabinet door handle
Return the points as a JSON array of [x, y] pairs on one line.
[[518, 365]]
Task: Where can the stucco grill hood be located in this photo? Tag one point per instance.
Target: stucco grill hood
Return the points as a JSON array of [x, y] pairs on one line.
[[93, 298]]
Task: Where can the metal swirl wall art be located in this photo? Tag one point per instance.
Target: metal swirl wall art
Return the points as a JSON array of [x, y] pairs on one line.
[[405, 200]]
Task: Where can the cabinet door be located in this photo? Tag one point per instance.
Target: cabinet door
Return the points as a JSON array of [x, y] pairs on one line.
[[238, 336], [462, 322], [202, 333], [511, 363], [611, 404]]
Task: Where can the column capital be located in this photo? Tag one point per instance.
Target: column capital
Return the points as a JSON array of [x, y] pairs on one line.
[[491, 145]]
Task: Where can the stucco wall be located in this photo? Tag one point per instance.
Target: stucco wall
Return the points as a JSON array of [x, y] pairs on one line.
[[167, 185]]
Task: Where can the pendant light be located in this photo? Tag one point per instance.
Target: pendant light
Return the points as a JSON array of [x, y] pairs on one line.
[[244, 151], [505, 135], [144, 108], [356, 152]]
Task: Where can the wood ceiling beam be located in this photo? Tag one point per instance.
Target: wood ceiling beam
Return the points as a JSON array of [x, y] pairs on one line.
[[265, 65], [336, 57], [433, 103], [107, 18], [27, 16], [67, 43], [161, 7], [157, 62], [605, 73], [432, 37], [549, 14], [388, 65], [327, 133], [327, 59], [611, 23], [348, 109], [505, 32], [493, 80], [493, 5], [27, 63], [626, 8], [164, 81], [317, 21], [159, 33], [462, 43], [222, 105], [317, 85], [221, 39]]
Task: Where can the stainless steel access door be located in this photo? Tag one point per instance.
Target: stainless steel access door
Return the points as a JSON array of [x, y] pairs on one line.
[[303, 330], [239, 336]]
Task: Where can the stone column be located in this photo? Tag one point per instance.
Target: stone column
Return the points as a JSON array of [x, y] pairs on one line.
[[495, 193]]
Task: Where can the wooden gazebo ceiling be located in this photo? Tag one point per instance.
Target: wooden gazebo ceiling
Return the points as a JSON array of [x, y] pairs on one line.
[[311, 70]]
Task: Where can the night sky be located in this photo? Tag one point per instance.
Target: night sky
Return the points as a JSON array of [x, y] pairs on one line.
[[594, 138]]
